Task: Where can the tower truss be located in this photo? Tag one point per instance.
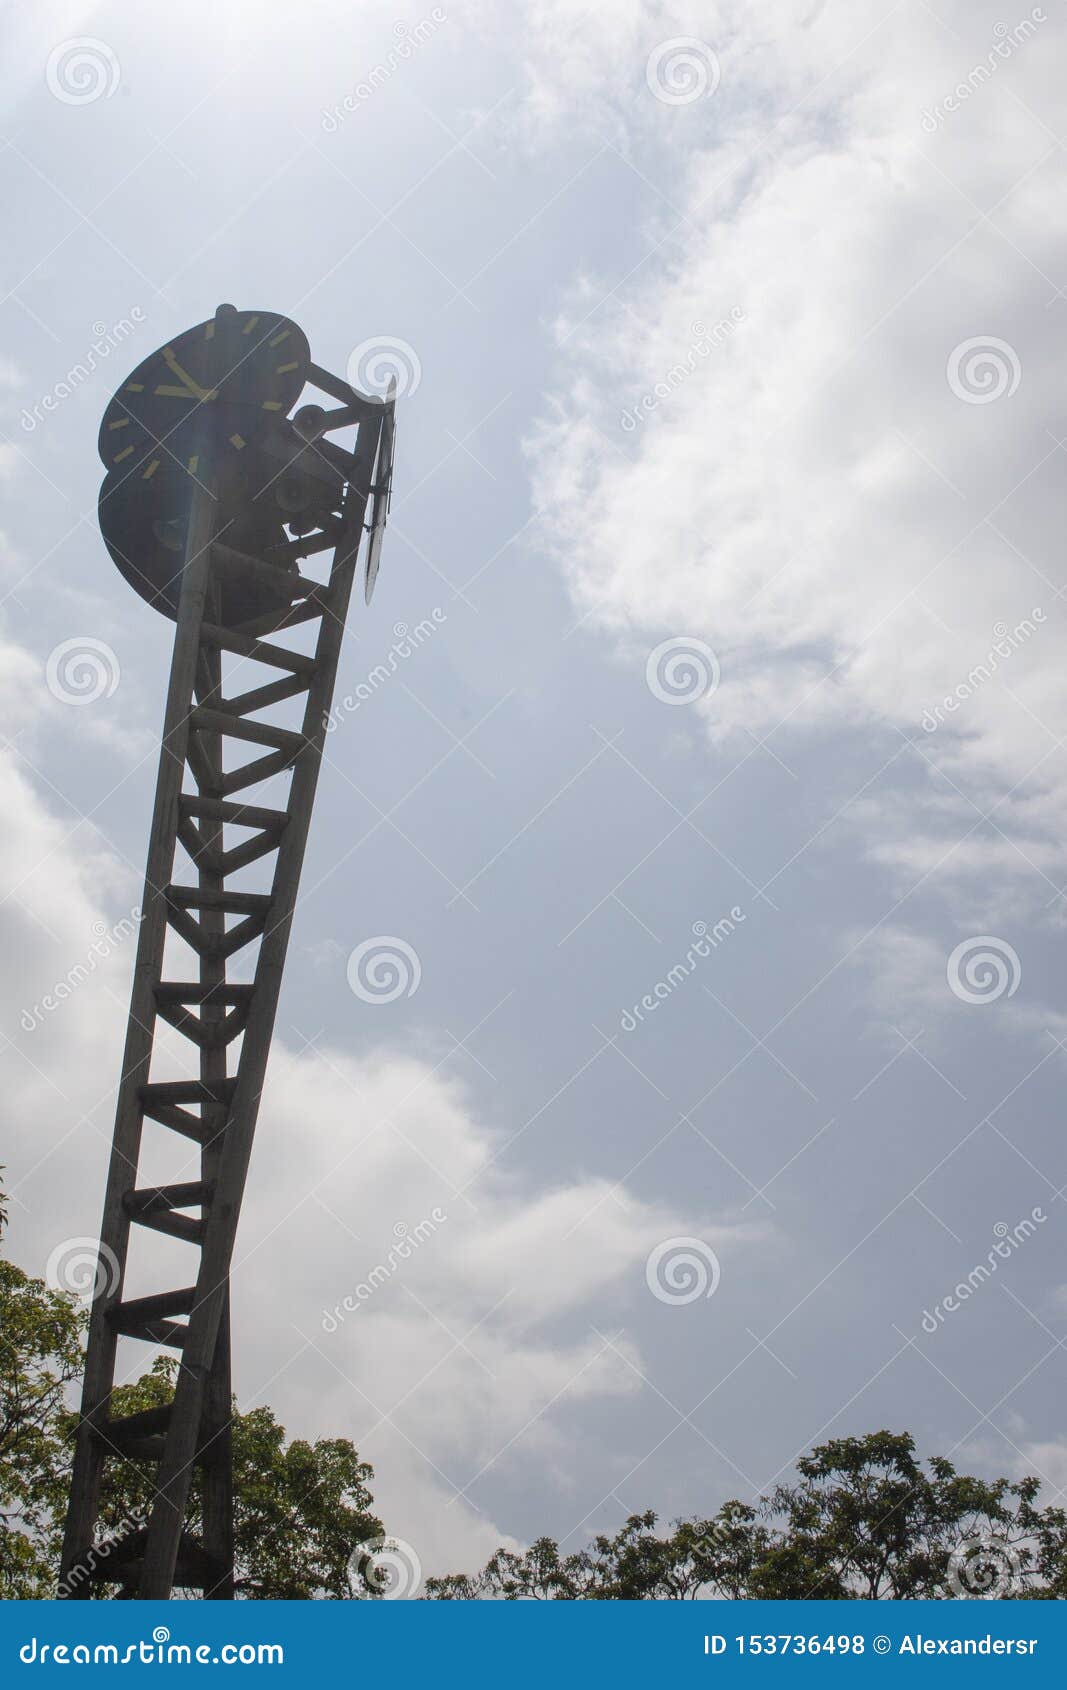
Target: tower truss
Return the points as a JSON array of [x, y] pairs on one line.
[[242, 745]]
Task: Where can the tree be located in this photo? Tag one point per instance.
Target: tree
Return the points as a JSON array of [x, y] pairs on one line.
[[864, 1520], [299, 1508], [41, 1336], [709, 1557]]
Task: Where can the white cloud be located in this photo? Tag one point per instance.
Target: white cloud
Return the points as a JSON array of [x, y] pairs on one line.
[[906, 971], [814, 500], [477, 1351], [20, 687]]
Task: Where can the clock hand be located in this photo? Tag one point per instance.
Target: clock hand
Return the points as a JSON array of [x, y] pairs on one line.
[[193, 387]]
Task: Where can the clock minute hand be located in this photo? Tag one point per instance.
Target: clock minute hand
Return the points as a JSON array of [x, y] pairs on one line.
[[183, 376]]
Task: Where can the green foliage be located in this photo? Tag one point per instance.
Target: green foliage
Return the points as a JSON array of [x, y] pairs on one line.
[[41, 1336], [299, 1508], [710, 1557], [864, 1520]]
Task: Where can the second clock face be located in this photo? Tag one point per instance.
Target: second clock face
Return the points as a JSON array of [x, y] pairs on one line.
[[145, 523], [218, 382]]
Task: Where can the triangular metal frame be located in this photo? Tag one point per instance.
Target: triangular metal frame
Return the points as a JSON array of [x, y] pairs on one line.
[[196, 801]]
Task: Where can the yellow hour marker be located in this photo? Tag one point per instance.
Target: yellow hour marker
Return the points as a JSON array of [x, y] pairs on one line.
[[123, 422], [193, 461], [151, 470], [209, 332], [250, 325], [236, 440], [135, 387], [273, 405], [283, 369], [278, 338], [126, 450]]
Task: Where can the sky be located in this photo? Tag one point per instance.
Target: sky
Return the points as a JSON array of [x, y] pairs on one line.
[[703, 849]]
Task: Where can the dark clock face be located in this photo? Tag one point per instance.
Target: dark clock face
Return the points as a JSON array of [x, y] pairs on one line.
[[210, 390], [145, 525]]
